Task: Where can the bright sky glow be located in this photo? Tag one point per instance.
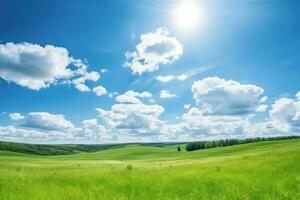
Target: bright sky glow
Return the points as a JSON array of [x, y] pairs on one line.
[[187, 15]]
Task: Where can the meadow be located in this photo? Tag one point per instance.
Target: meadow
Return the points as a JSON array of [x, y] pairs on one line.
[[260, 170]]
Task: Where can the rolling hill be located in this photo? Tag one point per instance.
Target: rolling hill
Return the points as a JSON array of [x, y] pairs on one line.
[[262, 170]]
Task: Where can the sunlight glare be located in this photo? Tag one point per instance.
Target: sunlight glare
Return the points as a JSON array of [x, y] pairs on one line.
[[186, 15]]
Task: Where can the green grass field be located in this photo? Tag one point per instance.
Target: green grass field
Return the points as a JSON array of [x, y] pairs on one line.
[[262, 170]]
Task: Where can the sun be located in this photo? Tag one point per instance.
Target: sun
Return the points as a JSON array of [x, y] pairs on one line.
[[186, 15]]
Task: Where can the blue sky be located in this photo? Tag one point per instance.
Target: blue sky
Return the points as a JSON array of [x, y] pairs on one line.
[[235, 67]]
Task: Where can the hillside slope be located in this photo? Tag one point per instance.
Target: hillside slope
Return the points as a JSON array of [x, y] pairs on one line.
[[264, 170]]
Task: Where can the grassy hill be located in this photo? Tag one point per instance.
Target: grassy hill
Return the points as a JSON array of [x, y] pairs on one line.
[[65, 149], [49, 150], [262, 170]]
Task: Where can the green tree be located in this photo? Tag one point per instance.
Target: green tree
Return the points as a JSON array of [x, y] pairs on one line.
[[178, 148]]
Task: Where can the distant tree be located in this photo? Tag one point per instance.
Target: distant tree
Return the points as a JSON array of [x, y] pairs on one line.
[[178, 148], [229, 142]]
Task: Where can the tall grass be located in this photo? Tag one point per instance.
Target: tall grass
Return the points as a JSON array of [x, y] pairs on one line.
[[265, 170]]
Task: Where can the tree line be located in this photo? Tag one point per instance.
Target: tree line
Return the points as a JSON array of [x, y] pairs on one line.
[[192, 146], [51, 149]]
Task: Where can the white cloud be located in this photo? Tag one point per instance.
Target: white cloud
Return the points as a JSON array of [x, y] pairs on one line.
[[152, 100], [201, 122], [82, 87], [92, 130], [47, 121], [89, 122], [285, 115], [165, 78], [297, 116], [99, 90], [132, 96], [182, 77], [132, 116], [138, 118], [48, 128], [216, 96], [298, 95], [224, 108], [195, 122], [36, 67], [41, 127], [262, 108], [165, 94], [168, 78], [87, 76], [155, 49], [31, 135], [16, 116], [187, 106]]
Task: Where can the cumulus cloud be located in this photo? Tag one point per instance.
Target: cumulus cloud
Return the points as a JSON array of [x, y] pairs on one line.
[[17, 133], [87, 76], [43, 127], [89, 123], [216, 96], [182, 77], [47, 121], [169, 78], [223, 108], [36, 67], [166, 78], [16, 116], [165, 94], [285, 115], [92, 130], [138, 118], [155, 49], [298, 95], [132, 96], [82, 87], [196, 123], [187, 106], [99, 90], [132, 115]]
